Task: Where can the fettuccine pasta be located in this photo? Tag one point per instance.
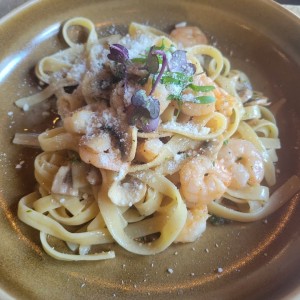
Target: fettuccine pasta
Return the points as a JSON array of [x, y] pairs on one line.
[[156, 133]]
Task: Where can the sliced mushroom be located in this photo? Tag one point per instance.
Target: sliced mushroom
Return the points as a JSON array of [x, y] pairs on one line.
[[70, 179], [109, 143], [107, 152], [127, 192], [97, 85], [211, 148], [258, 99], [63, 182], [243, 85], [136, 71]]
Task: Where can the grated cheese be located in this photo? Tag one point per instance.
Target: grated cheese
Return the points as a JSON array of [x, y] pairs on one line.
[[187, 127], [137, 46]]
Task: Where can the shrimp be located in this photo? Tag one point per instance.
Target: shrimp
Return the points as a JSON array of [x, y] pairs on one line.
[[188, 36], [224, 101], [103, 150], [202, 181], [196, 110], [99, 152], [106, 140], [191, 108], [194, 226], [243, 161]]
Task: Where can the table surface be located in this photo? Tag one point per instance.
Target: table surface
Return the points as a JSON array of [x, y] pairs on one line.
[[8, 5]]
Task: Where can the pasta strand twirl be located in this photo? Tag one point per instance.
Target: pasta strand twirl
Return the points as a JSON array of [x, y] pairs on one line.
[[156, 132]]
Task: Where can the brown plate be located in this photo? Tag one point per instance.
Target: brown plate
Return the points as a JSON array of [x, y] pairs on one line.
[[259, 260]]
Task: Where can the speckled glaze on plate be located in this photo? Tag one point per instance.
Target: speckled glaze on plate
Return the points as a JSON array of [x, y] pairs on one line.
[[259, 260]]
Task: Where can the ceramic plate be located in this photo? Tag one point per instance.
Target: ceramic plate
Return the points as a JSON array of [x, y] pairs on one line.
[[259, 260]]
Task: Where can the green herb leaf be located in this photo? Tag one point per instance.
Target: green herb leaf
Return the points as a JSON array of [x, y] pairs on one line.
[[205, 99], [177, 78], [201, 88], [175, 97]]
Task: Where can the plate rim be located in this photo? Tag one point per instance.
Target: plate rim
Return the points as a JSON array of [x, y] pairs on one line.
[[20, 9]]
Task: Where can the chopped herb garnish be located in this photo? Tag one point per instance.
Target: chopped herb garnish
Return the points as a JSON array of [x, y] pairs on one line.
[[201, 88], [184, 81], [225, 142], [28, 210], [175, 97], [205, 99], [143, 58], [177, 78], [177, 73]]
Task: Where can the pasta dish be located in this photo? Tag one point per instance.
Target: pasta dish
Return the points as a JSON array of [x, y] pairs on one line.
[[157, 132]]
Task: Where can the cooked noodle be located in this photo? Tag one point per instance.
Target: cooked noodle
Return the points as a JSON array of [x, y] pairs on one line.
[[115, 171]]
